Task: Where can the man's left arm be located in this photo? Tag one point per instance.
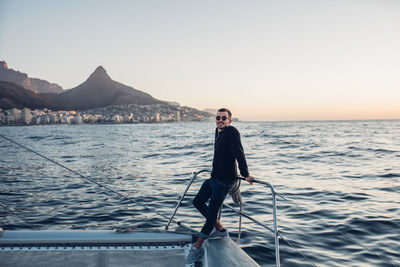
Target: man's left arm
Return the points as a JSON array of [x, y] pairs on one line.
[[238, 152]]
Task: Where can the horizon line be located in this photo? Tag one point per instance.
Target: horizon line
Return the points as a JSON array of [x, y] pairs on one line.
[[316, 120]]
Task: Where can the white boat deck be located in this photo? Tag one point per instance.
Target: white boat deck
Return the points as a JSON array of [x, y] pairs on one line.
[[224, 252], [93, 237], [113, 249], [93, 248]]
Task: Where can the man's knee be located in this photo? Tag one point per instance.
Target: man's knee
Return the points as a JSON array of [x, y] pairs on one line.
[[216, 202]]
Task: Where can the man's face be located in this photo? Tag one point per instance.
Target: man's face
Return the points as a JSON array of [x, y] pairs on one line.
[[222, 120]]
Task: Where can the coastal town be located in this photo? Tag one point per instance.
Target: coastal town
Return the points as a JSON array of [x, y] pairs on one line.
[[98, 100], [116, 114]]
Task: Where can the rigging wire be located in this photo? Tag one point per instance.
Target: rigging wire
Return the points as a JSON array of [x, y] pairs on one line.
[[272, 231], [335, 229], [166, 217], [298, 251], [91, 180]]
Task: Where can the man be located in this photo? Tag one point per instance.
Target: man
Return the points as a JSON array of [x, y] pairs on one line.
[[227, 150]]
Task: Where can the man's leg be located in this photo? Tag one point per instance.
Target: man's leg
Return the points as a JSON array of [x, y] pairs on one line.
[[218, 194], [200, 203], [202, 196]]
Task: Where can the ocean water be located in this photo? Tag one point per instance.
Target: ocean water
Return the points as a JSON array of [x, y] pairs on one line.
[[342, 179]]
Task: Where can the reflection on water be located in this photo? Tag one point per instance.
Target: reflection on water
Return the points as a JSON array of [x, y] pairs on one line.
[[344, 173]]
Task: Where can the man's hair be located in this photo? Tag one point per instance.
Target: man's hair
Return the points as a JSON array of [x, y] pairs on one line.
[[225, 110]]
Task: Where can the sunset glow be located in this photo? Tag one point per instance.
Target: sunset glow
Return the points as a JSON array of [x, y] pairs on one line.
[[265, 60]]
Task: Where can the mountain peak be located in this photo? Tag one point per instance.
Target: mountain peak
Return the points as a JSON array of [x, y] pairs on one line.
[[3, 65], [100, 69], [99, 75]]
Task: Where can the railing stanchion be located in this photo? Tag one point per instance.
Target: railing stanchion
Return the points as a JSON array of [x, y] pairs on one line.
[[276, 233], [183, 196], [277, 257]]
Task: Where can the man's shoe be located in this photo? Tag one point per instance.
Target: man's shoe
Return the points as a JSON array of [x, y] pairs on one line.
[[219, 234], [194, 254]]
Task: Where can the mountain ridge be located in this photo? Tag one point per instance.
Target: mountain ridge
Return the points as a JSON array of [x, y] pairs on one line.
[[22, 79], [15, 96], [97, 91]]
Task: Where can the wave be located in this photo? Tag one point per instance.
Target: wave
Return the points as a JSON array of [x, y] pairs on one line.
[[390, 175], [333, 170], [377, 150]]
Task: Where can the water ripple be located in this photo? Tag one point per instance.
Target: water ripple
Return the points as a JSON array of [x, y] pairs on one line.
[[342, 173]]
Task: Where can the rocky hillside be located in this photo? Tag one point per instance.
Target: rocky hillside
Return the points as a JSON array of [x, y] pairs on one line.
[[22, 79], [99, 90], [15, 96]]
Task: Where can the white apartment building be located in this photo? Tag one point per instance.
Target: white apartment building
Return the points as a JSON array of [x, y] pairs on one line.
[[77, 119], [26, 116], [15, 113]]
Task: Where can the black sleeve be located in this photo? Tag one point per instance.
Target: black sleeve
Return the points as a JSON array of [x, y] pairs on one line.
[[237, 150]]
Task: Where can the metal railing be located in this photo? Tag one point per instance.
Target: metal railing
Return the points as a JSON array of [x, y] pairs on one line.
[[276, 233]]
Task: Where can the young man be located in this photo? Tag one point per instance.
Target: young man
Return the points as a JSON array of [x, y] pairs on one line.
[[227, 150]]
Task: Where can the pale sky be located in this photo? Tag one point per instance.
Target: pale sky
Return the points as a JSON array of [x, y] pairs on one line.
[[265, 60]]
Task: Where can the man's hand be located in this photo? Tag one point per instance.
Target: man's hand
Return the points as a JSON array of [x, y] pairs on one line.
[[250, 179]]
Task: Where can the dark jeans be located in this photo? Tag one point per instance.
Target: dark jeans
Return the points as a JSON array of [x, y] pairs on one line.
[[216, 191]]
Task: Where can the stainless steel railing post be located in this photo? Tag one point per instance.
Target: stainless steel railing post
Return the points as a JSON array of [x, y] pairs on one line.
[[277, 256], [183, 196]]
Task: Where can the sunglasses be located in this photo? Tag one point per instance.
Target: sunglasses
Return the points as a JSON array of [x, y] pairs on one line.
[[219, 117]]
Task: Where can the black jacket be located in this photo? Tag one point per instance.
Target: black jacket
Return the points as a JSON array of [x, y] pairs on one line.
[[227, 150]]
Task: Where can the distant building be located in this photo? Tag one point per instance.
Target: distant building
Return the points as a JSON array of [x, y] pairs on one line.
[[77, 119], [53, 119], [174, 104], [163, 118], [26, 116], [16, 113], [68, 119], [178, 116], [3, 118], [46, 119], [117, 119], [37, 120], [10, 119]]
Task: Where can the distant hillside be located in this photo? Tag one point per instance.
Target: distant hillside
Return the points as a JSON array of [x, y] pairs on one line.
[[22, 79], [99, 90], [211, 110], [15, 96]]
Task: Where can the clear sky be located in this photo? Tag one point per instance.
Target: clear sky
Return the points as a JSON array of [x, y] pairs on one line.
[[265, 60]]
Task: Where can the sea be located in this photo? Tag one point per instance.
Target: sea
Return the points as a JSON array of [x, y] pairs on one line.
[[340, 183]]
